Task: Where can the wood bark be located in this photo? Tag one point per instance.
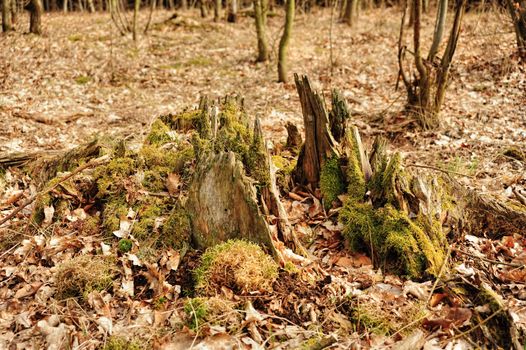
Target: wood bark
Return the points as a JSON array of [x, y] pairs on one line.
[[284, 42], [217, 10], [425, 93], [137, 4], [35, 17], [319, 143], [518, 17], [260, 14], [6, 16]]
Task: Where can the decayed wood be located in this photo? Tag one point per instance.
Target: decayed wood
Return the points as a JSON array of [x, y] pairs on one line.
[[319, 143], [222, 203]]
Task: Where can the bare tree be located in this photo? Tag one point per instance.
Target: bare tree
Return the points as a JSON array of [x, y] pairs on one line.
[[427, 89], [260, 14], [137, 4], [217, 10], [35, 16], [284, 42], [350, 11], [232, 11], [517, 10], [6, 16]]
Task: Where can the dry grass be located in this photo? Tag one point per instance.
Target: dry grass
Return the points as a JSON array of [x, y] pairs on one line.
[[83, 274]]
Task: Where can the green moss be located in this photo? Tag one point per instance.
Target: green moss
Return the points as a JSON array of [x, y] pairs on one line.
[[82, 79], [146, 224], [250, 269], [125, 245], [373, 322], [155, 180], [331, 181], [110, 178], [395, 242], [212, 311], [196, 311], [176, 230], [159, 133], [114, 210], [120, 343]]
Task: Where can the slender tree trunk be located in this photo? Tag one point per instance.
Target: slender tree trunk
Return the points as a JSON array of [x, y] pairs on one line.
[[136, 6], [217, 10], [202, 8], [284, 42], [350, 12], [232, 11], [91, 6], [65, 6], [153, 4], [184, 4], [427, 90], [261, 30], [518, 17], [35, 17], [440, 24], [6, 16]]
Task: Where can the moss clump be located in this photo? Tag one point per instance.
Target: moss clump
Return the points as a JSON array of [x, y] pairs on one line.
[[84, 274], [395, 242], [159, 134], [146, 224], [249, 268], [373, 322], [332, 183], [212, 311], [120, 343], [176, 229], [125, 245], [155, 180], [114, 210], [111, 178]]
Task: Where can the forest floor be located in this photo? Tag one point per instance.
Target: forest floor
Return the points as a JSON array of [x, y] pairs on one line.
[[82, 78]]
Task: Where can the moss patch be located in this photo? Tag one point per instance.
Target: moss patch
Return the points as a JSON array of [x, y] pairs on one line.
[[395, 242], [84, 274], [249, 269], [332, 183], [212, 311], [121, 343]]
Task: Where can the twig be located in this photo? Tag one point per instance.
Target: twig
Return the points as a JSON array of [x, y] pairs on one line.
[[438, 169], [489, 260], [92, 163]]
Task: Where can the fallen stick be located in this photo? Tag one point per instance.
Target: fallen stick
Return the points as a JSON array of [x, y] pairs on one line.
[[90, 164]]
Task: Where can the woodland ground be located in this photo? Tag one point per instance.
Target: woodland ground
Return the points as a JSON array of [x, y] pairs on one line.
[[82, 78]]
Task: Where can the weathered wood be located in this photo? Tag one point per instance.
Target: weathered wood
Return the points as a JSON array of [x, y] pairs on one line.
[[319, 143], [222, 203]]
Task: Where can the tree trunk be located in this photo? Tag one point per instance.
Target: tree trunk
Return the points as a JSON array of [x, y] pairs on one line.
[[284, 42], [6, 16], [350, 12], [35, 17], [232, 11], [137, 4], [425, 93], [518, 17], [217, 10], [91, 6], [319, 143], [65, 6], [260, 15], [202, 8]]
